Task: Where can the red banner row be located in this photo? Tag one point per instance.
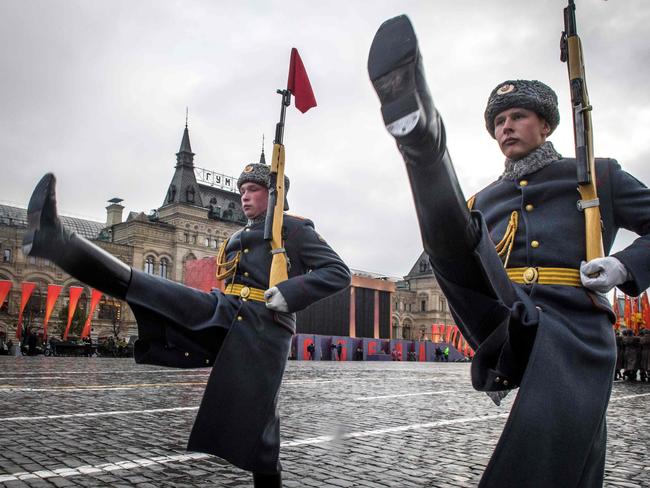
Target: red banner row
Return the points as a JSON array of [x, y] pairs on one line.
[[53, 292]]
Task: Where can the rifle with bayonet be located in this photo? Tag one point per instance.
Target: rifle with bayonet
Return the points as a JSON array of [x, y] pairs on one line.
[[277, 192], [571, 53]]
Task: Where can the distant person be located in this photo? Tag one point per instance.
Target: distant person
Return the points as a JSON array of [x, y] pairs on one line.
[[339, 351], [311, 349]]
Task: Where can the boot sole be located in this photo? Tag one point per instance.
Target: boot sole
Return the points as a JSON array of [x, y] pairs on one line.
[[35, 211], [391, 67]]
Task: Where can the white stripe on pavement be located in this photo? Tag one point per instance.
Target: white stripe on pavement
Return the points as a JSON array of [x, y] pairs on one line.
[[107, 467], [390, 430], [627, 397], [400, 395], [98, 414]]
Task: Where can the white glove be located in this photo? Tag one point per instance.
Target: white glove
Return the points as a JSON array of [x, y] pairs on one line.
[[275, 300], [603, 274]]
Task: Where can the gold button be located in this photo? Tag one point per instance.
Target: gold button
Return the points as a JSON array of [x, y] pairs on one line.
[[529, 208], [240, 318], [530, 275], [497, 379], [246, 251], [534, 244], [246, 273], [207, 361], [247, 229], [245, 292], [523, 182], [187, 354], [505, 382]]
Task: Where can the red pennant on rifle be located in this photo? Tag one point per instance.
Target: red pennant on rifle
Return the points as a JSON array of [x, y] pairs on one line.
[[95, 296], [298, 83], [28, 288], [53, 292], [75, 294]]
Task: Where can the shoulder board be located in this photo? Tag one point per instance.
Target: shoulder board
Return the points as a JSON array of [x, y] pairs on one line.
[[299, 217]]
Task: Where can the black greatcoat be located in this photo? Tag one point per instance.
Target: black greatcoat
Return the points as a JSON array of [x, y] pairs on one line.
[[555, 342], [246, 343]]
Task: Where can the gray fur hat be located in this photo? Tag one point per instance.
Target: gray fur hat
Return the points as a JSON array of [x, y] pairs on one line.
[[529, 94], [259, 173]]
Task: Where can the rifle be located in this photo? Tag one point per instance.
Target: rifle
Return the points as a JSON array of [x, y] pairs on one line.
[[275, 209], [571, 53]]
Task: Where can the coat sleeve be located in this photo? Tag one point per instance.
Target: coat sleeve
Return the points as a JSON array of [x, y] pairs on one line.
[[323, 271], [631, 206]]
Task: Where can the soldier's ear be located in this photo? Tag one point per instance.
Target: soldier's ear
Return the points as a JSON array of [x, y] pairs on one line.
[[546, 128]]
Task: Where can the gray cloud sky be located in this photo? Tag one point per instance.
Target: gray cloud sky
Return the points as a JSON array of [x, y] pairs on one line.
[[96, 92]]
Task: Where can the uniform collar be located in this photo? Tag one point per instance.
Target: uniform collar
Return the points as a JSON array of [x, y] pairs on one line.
[[534, 161], [257, 220]]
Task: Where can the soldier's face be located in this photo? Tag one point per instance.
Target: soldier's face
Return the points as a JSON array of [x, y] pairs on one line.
[[519, 131], [254, 199]]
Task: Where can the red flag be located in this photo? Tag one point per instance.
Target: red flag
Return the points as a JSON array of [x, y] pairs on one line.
[[298, 83], [52, 294], [627, 313], [95, 296], [5, 286], [75, 293], [27, 289]]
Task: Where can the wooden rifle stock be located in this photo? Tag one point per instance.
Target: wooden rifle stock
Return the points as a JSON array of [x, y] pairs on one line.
[[571, 52], [279, 261]]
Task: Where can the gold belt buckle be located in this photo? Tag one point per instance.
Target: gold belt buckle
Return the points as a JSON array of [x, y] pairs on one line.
[[245, 292], [531, 275]]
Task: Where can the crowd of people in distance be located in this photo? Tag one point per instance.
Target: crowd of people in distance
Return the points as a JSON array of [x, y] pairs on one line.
[[632, 355]]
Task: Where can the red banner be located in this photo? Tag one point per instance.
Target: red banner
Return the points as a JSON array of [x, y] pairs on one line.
[[645, 309], [53, 292], [298, 83], [5, 286], [95, 296], [627, 313], [75, 294], [202, 274], [27, 290]]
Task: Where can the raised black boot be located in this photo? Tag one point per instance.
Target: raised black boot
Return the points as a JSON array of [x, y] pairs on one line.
[[396, 71], [46, 237]]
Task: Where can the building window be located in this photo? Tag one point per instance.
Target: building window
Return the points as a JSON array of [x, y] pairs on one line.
[[207, 242], [148, 265], [187, 237], [164, 268], [423, 306], [214, 244], [443, 304], [6, 256], [190, 195], [193, 239]]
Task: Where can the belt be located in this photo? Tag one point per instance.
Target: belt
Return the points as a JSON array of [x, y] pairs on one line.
[[545, 276], [245, 292]]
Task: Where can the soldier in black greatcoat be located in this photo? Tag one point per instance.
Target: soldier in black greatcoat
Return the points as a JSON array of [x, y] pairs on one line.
[[512, 267], [244, 332]]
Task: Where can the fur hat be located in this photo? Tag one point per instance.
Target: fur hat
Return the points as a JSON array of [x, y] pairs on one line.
[[259, 173], [529, 94]]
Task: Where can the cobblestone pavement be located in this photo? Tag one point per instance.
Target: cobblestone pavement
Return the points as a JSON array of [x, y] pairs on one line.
[[96, 422]]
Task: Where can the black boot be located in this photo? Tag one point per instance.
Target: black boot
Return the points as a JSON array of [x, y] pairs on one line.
[[396, 71], [261, 480], [46, 237]]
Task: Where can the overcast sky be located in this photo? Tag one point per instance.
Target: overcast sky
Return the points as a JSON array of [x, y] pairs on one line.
[[96, 92]]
